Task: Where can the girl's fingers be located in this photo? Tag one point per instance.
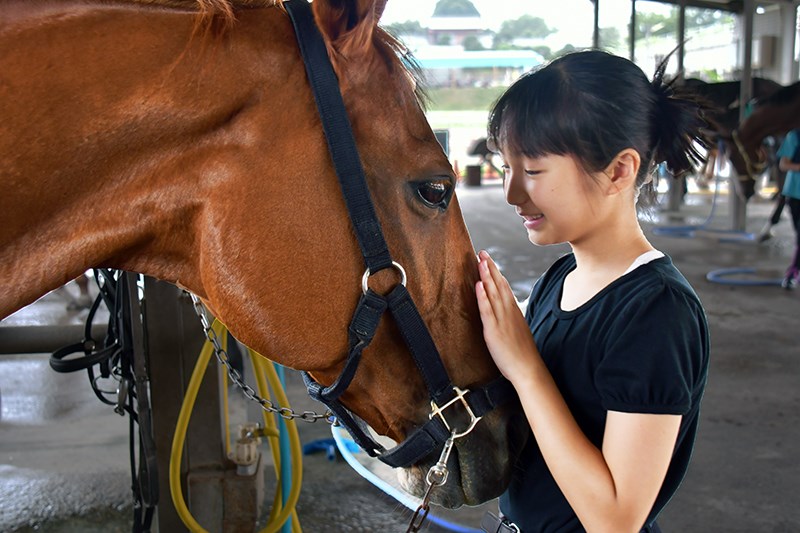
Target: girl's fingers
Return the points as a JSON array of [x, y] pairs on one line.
[[484, 305], [489, 285], [500, 290]]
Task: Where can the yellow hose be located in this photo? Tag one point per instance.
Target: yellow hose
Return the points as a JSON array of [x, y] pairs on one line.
[[176, 454], [262, 368], [265, 367], [274, 444]]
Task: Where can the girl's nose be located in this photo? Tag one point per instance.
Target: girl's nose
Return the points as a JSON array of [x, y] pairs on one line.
[[512, 186]]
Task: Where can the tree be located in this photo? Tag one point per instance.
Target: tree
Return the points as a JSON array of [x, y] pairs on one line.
[[455, 8], [526, 26], [543, 51], [444, 39], [471, 42], [649, 24], [610, 38], [566, 50]]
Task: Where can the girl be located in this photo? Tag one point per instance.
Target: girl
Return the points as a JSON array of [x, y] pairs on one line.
[[789, 154], [610, 360]]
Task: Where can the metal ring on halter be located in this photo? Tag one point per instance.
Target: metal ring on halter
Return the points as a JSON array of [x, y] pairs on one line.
[[367, 274]]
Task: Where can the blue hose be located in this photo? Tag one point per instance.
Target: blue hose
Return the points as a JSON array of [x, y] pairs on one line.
[[688, 232], [344, 445], [721, 276], [286, 455]]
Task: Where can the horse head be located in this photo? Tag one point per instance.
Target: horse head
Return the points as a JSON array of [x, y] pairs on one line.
[[199, 158]]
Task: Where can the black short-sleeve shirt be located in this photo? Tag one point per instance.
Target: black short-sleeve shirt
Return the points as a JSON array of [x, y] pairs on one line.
[[640, 345]]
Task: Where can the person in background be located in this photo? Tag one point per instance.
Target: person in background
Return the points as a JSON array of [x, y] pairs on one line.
[[610, 360], [789, 154]]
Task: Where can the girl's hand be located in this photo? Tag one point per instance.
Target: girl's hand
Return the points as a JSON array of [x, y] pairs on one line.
[[504, 328]]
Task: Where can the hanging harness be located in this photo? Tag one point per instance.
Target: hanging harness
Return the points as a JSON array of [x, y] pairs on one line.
[[120, 357]]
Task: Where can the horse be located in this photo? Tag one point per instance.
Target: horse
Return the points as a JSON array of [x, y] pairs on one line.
[[724, 109], [774, 115], [180, 140]]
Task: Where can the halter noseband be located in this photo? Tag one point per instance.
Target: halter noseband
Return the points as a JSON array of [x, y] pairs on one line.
[[753, 168], [432, 435]]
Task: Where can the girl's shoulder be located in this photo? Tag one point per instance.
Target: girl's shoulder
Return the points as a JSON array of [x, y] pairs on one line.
[[657, 285]]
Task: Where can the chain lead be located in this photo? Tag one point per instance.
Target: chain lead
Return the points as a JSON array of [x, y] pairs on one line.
[[436, 477], [267, 405]]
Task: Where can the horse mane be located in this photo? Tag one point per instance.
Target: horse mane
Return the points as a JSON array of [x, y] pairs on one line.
[[219, 16], [783, 96]]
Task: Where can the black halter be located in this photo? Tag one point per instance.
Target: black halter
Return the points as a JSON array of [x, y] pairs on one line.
[[431, 436]]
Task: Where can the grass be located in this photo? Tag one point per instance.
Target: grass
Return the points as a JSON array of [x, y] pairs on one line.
[[463, 99]]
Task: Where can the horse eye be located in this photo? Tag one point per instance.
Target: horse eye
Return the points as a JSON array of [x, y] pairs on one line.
[[435, 194]]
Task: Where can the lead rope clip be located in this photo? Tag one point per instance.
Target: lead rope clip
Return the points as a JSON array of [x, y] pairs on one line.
[[436, 477]]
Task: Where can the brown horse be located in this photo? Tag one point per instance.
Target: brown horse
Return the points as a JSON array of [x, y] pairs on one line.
[[724, 109], [180, 140], [775, 115]]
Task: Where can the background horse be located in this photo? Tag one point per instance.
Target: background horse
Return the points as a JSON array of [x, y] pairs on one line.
[[773, 116], [725, 105], [143, 137]]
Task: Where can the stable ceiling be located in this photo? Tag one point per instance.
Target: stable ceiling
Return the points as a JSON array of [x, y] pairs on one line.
[[735, 6]]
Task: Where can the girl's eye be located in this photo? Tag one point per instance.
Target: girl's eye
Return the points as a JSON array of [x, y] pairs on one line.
[[532, 172], [435, 193]]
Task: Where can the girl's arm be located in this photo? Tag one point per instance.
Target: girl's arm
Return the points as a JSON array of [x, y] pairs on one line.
[[786, 165], [612, 489]]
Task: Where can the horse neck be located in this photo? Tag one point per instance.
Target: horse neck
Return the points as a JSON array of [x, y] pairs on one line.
[[108, 159], [115, 217], [766, 121]]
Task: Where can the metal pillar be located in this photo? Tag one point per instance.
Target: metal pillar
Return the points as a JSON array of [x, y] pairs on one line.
[[632, 33], [737, 200], [675, 192], [174, 339], [681, 36]]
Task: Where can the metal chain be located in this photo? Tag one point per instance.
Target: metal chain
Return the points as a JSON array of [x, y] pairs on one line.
[[436, 477], [267, 405]]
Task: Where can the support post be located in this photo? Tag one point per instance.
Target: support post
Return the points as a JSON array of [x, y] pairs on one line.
[[174, 339], [737, 200]]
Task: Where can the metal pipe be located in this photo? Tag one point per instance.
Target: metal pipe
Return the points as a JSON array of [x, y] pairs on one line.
[[43, 339]]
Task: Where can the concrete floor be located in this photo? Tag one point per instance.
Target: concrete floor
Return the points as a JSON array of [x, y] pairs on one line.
[[63, 455]]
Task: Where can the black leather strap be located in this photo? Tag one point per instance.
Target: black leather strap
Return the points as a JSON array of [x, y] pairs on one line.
[[431, 436], [339, 136]]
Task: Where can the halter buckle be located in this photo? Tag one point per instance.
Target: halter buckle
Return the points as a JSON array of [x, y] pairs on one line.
[[438, 411]]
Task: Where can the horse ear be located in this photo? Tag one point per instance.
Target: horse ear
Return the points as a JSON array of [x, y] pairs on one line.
[[348, 25]]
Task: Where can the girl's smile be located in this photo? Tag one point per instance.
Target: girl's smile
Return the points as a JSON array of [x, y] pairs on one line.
[[532, 222]]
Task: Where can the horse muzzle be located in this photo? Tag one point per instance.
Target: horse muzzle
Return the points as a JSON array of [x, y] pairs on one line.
[[479, 466]]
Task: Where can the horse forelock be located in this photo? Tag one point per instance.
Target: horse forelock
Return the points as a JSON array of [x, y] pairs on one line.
[[402, 63]]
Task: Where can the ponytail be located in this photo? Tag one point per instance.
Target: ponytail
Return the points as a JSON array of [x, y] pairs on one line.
[[678, 126]]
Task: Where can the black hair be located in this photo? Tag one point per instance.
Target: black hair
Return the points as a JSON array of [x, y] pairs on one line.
[[592, 105]]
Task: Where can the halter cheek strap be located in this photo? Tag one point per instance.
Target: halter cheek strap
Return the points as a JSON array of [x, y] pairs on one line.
[[371, 307]]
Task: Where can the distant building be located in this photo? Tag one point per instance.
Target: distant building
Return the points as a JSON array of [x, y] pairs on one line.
[[446, 63], [455, 67], [453, 30]]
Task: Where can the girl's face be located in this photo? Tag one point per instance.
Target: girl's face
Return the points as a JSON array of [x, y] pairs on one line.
[[557, 200]]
